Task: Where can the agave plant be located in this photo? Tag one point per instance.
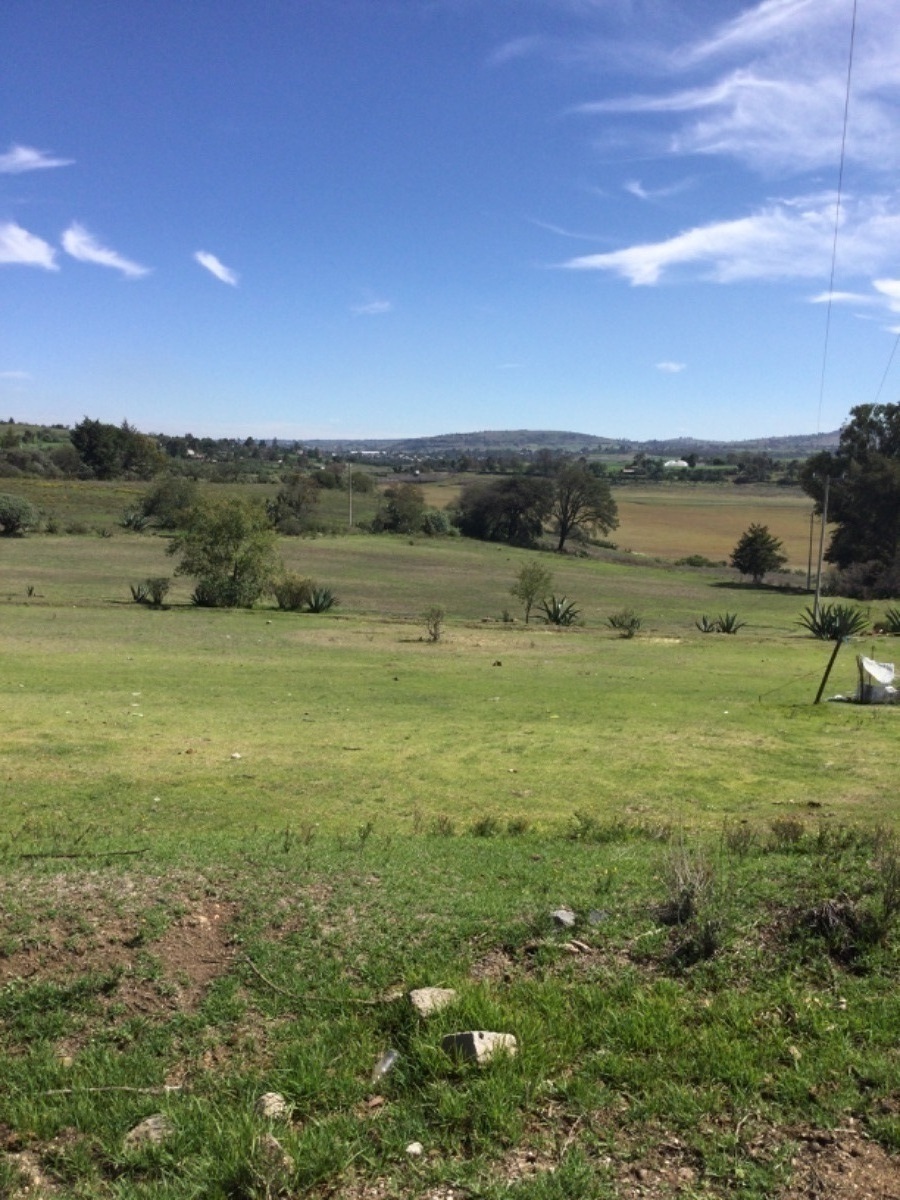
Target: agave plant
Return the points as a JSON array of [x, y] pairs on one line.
[[705, 625], [321, 599], [835, 622], [558, 610], [892, 621], [729, 623]]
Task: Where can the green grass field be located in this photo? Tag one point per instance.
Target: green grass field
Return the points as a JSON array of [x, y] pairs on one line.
[[232, 841]]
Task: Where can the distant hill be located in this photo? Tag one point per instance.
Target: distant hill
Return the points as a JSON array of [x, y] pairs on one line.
[[530, 440]]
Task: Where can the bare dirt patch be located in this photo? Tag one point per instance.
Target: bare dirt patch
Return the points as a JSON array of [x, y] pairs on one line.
[[160, 943], [841, 1164]]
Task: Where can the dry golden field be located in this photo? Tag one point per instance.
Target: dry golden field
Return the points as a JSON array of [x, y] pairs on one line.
[[674, 520]]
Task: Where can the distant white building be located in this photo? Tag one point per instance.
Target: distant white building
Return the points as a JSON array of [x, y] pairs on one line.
[[676, 464]]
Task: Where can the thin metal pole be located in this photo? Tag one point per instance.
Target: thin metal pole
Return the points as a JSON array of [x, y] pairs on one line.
[[812, 517], [821, 547]]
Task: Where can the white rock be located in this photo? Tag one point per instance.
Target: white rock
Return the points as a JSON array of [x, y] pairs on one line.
[[236, 755], [430, 1000], [564, 917], [272, 1105], [415, 1149], [479, 1045], [150, 1132]]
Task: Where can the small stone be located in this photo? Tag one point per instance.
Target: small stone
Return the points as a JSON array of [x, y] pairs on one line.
[[564, 918], [415, 1149], [236, 755], [275, 1158], [429, 1000], [272, 1106], [152, 1131], [479, 1045]]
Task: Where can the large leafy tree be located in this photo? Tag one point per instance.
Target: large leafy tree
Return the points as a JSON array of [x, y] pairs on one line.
[[583, 501], [863, 487], [229, 547], [401, 510], [110, 451], [512, 509], [758, 551]]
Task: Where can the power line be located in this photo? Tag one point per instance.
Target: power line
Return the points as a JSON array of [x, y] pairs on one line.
[[837, 217]]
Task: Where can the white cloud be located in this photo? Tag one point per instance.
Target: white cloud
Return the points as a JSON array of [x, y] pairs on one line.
[[17, 245], [671, 368], [84, 246], [769, 88], [217, 268], [515, 48], [374, 308], [890, 289], [787, 239], [16, 376], [634, 187], [19, 159]]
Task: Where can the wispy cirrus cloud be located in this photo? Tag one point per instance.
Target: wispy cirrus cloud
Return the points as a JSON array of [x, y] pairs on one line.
[[783, 240], [372, 308], [18, 246], [671, 368], [768, 88], [216, 267], [84, 247], [16, 376], [19, 159], [635, 188]]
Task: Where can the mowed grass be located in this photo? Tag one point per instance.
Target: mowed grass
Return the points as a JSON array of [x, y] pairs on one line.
[[133, 717], [231, 842]]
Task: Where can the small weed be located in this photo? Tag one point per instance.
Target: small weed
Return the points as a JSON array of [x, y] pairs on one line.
[[485, 827], [517, 826], [688, 875], [585, 827], [739, 840], [626, 621], [787, 833], [443, 826]]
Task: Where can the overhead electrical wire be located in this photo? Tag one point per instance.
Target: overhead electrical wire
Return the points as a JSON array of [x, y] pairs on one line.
[[837, 217]]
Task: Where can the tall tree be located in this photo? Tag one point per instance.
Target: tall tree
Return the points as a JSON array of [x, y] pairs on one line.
[[758, 551], [230, 549], [863, 487], [582, 500], [512, 509]]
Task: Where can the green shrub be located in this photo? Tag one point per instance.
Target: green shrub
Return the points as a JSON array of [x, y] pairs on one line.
[[292, 593], [433, 620], [626, 621], [17, 515], [697, 560], [892, 621]]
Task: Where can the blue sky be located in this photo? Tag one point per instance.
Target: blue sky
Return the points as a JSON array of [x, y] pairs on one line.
[[348, 218]]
